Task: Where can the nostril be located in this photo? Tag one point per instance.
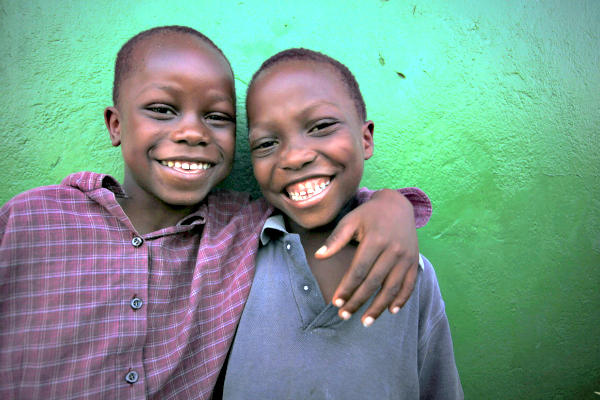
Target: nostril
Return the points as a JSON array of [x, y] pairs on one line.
[[297, 159], [192, 136]]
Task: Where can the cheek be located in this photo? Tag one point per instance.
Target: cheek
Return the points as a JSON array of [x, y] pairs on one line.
[[136, 134], [226, 141], [343, 152], [260, 168], [128, 148]]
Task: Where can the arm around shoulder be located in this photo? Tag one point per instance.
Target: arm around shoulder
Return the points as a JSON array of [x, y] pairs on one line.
[[387, 255]]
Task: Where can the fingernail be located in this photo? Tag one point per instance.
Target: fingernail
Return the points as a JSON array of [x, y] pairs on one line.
[[395, 310], [338, 302], [346, 315], [321, 250], [368, 321]]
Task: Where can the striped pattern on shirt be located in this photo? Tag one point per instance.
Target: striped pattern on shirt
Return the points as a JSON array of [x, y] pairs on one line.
[[70, 266], [91, 309]]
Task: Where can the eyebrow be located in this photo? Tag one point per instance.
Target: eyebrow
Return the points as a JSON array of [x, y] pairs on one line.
[[171, 89], [154, 86], [304, 112], [318, 104]]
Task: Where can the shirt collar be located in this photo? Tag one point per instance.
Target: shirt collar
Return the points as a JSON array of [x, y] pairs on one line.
[[274, 224], [93, 185]]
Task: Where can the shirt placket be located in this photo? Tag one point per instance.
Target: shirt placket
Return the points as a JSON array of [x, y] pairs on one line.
[[133, 318], [304, 285]]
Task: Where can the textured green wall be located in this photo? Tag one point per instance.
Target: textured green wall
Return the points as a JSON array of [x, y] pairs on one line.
[[497, 119]]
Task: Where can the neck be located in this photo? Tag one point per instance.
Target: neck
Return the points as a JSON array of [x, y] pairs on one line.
[[322, 230], [328, 272], [148, 218]]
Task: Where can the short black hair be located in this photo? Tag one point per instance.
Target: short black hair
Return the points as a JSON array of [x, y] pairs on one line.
[[123, 64], [302, 54]]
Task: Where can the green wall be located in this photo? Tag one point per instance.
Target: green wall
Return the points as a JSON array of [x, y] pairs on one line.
[[497, 119]]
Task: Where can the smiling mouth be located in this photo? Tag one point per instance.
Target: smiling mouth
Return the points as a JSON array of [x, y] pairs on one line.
[[187, 166], [307, 189]]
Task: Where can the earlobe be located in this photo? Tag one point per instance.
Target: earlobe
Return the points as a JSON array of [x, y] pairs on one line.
[[367, 138], [113, 124]]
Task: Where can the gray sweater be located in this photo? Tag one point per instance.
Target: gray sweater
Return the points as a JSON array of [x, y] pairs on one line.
[[290, 344]]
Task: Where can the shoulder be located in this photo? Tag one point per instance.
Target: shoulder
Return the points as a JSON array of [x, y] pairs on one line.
[[227, 204], [225, 199], [37, 198], [428, 277], [28, 210], [431, 304], [438, 376], [53, 198]]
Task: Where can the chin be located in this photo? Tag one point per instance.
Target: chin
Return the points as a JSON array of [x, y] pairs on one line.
[[183, 200], [312, 221]]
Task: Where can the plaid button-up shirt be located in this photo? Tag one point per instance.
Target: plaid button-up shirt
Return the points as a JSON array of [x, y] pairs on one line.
[[91, 309]]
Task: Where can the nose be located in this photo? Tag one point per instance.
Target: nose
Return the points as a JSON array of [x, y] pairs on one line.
[[296, 155], [192, 131]]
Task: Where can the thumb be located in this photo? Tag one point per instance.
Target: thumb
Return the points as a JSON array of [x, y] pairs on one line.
[[343, 233]]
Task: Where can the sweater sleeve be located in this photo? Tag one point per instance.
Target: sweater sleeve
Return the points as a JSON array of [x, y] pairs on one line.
[[438, 375], [419, 200]]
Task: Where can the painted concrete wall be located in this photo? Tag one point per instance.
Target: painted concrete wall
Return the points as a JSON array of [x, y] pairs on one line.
[[496, 117]]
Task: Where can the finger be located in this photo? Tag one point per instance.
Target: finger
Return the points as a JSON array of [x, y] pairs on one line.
[[371, 284], [343, 233], [408, 285], [365, 256], [385, 297]]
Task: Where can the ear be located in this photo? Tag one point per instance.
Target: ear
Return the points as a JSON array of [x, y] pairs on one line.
[[112, 120], [367, 138]]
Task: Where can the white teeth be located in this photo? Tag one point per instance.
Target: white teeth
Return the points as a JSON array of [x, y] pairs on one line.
[[312, 190], [186, 165]]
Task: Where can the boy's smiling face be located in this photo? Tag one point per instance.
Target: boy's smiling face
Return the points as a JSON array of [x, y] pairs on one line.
[[308, 143], [174, 121]]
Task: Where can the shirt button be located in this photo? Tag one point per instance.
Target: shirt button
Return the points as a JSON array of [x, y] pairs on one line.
[[137, 241], [131, 377], [136, 303], [306, 288], [288, 246]]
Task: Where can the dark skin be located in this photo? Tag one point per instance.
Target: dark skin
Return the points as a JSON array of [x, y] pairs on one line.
[[395, 269], [161, 117], [308, 148], [328, 272]]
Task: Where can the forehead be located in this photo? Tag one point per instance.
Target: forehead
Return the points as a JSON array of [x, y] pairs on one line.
[[308, 71], [305, 77], [170, 51], [301, 82]]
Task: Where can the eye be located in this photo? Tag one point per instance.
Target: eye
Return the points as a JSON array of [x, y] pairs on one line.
[[161, 111], [322, 127], [219, 119], [263, 147]]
